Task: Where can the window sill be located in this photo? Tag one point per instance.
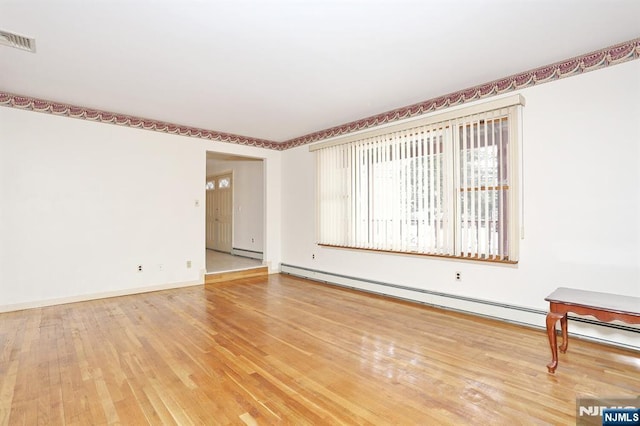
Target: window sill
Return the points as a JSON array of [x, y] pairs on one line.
[[438, 256]]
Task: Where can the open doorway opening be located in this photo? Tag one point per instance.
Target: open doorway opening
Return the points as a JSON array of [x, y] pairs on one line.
[[234, 223]]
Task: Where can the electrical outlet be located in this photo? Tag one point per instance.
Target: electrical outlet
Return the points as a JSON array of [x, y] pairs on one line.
[[253, 240], [160, 267], [458, 276], [139, 268], [188, 264], [313, 256]]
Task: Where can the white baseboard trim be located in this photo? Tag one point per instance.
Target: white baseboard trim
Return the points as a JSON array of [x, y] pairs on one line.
[[617, 334], [94, 296], [247, 253]]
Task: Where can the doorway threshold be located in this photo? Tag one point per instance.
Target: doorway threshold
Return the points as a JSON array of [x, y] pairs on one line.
[[222, 276]]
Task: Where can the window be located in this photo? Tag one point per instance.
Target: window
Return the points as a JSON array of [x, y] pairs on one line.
[[224, 182], [445, 185]]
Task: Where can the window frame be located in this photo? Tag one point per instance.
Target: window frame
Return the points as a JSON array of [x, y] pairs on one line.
[[455, 117]]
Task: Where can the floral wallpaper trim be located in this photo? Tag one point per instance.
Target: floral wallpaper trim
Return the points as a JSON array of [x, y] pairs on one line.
[[602, 58]]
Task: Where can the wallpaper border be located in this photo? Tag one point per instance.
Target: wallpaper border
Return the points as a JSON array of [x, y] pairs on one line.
[[599, 59]]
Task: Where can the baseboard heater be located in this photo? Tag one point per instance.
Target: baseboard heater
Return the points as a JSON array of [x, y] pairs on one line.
[[505, 312], [247, 253]]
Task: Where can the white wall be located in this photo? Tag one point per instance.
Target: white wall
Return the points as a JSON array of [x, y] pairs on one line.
[[581, 207], [83, 203], [248, 200]]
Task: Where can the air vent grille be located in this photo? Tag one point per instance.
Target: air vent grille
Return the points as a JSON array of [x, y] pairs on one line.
[[18, 41]]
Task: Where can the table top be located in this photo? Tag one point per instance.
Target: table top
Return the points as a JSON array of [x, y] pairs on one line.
[[594, 299]]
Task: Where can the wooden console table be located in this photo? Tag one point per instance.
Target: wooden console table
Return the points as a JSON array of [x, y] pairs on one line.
[[604, 306]]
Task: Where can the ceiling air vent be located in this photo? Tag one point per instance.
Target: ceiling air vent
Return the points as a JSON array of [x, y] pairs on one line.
[[18, 41]]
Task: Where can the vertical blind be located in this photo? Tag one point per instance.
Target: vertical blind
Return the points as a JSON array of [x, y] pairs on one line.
[[444, 188]]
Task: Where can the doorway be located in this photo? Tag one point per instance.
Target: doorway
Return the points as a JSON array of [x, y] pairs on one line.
[[234, 212], [219, 212]]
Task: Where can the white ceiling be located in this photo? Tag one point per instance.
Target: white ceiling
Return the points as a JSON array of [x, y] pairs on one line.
[[279, 69]]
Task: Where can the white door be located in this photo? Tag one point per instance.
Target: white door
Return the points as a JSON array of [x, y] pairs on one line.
[[219, 222], [210, 213]]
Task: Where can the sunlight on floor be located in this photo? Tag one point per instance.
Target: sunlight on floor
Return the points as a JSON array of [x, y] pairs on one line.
[[219, 262]]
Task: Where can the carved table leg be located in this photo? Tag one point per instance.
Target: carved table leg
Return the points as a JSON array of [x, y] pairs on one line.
[[552, 319], [565, 334]]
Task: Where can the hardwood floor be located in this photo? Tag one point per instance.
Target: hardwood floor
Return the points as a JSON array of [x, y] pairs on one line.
[[284, 350]]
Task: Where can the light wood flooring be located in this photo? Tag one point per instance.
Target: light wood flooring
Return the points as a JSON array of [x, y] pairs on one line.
[[223, 262], [284, 350]]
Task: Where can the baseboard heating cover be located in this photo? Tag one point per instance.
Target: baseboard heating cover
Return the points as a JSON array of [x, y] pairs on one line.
[[615, 333], [247, 253]]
